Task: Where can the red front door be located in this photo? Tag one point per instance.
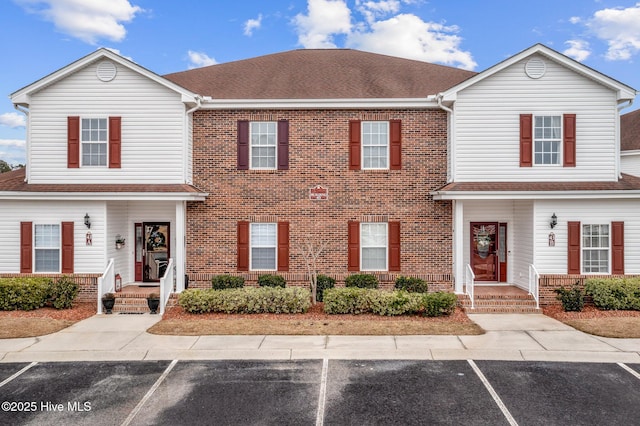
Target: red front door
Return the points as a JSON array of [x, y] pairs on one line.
[[152, 250], [484, 250]]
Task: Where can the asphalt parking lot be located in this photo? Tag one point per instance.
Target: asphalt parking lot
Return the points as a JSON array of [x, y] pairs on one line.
[[329, 392]]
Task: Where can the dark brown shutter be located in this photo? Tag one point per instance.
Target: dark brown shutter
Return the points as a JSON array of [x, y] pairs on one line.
[[243, 145], [354, 145], [569, 140], [26, 247], [115, 142], [283, 145], [283, 246], [73, 142], [526, 140], [573, 242], [353, 246], [67, 247], [617, 248], [395, 149], [394, 246], [243, 246]]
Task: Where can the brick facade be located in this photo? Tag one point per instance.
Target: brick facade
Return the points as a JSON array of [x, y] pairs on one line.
[[319, 155]]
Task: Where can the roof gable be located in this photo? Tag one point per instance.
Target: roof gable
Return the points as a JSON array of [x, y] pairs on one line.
[[320, 74], [623, 92], [21, 96]]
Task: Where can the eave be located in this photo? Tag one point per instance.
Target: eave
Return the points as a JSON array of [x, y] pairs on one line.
[[392, 103]]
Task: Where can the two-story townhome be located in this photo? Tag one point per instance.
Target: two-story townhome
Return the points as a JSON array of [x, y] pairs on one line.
[[535, 178], [108, 176]]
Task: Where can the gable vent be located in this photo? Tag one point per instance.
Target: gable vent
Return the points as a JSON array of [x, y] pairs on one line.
[[106, 71], [535, 68]]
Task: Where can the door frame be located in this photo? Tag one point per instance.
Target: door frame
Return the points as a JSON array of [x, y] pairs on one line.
[[500, 267]]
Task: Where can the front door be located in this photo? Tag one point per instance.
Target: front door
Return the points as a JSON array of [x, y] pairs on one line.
[[152, 250], [484, 251]]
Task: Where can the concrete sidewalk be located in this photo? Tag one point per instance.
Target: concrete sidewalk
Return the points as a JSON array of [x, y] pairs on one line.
[[517, 337]]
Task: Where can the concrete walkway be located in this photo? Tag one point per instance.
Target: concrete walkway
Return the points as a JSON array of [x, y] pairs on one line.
[[516, 337]]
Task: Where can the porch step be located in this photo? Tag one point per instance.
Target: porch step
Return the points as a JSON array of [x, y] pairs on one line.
[[491, 300], [136, 303]]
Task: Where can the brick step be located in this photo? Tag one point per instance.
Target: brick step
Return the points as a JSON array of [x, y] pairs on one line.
[[502, 310], [136, 303], [500, 304]]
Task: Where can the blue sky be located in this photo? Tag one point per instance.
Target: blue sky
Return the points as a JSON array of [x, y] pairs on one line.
[[41, 36]]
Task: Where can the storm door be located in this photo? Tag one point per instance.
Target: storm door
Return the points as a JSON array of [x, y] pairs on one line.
[[484, 251], [151, 251]]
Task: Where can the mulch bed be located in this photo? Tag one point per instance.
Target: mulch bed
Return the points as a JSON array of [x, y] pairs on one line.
[[589, 312], [79, 311]]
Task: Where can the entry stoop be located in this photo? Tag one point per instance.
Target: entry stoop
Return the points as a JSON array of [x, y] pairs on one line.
[[133, 300], [499, 299]]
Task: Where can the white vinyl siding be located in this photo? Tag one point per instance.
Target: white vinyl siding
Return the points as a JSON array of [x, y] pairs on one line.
[[487, 125], [374, 244], [375, 144], [46, 248], [263, 253], [264, 147], [153, 128]]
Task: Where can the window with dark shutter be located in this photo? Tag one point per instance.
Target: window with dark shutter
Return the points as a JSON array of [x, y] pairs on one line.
[[395, 140], [354, 144], [67, 247], [394, 246], [617, 248], [569, 140], [526, 140], [26, 248], [115, 142], [73, 142], [283, 145], [243, 246], [573, 255], [353, 246], [283, 246], [243, 146]]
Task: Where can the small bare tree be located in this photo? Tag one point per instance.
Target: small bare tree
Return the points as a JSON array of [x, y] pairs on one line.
[[311, 249]]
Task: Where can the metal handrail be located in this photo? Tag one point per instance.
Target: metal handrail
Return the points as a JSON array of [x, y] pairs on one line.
[[106, 283], [534, 284], [469, 282], [166, 285]]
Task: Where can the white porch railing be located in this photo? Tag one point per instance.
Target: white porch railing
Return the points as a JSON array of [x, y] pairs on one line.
[[106, 283], [469, 282], [534, 284], [166, 285]]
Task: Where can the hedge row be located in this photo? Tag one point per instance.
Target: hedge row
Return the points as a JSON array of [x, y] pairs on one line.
[[27, 294], [248, 300], [381, 302], [614, 293]]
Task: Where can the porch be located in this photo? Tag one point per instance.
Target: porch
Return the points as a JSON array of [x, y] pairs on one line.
[[493, 299]]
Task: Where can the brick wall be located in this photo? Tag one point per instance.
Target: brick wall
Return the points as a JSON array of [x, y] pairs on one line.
[[548, 283], [319, 155]]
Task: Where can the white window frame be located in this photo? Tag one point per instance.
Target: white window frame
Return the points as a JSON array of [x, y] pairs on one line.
[[364, 147], [259, 135], [364, 225], [547, 140], [253, 227], [86, 143], [37, 248], [591, 248]]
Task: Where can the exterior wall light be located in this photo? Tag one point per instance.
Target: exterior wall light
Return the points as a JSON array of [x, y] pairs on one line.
[[554, 221], [87, 221]]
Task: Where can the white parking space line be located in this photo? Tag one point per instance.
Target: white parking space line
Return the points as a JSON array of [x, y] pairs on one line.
[[8, 379], [630, 370], [493, 393], [149, 393], [323, 393]]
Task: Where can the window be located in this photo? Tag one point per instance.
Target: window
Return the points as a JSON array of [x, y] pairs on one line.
[[375, 144], [373, 246], [263, 145], [263, 240], [47, 248], [547, 139], [93, 139], [595, 249]]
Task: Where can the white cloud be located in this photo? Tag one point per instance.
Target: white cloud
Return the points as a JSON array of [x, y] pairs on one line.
[[325, 19], [575, 19], [87, 20], [383, 30], [12, 119], [578, 49], [199, 59], [117, 52], [620, 28], [251, 25], [15, 143], [12, 151]]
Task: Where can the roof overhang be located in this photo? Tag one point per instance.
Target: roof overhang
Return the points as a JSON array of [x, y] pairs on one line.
[[102, 196], [393, 103], [534, 195]]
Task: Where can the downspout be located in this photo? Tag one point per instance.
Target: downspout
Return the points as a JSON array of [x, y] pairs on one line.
[[189, 177], [450, 136], [27, 166], [618, 135]]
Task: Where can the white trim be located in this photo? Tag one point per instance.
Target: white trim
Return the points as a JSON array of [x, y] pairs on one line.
[[630, 152], [362, 145], [386, 251], [609, 248], [428, 102], [251, 246], [534, 195], [275, 146], [106, 196]]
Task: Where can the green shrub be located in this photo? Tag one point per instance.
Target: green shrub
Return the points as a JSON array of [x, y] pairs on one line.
[[614, 293], [23, 293], [438, 303], [390, 303], [572, 299], [220, 282], [323, 282], [348, 300], [361, 281], [270, 280], [62, 292], [248, 300], [412, 285]]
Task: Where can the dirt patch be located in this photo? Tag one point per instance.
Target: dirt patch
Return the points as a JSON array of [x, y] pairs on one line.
[[315, 322], [15, 324], [619, 324]]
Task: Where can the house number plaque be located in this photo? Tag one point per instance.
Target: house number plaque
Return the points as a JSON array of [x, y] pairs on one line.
[[318, 193]]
